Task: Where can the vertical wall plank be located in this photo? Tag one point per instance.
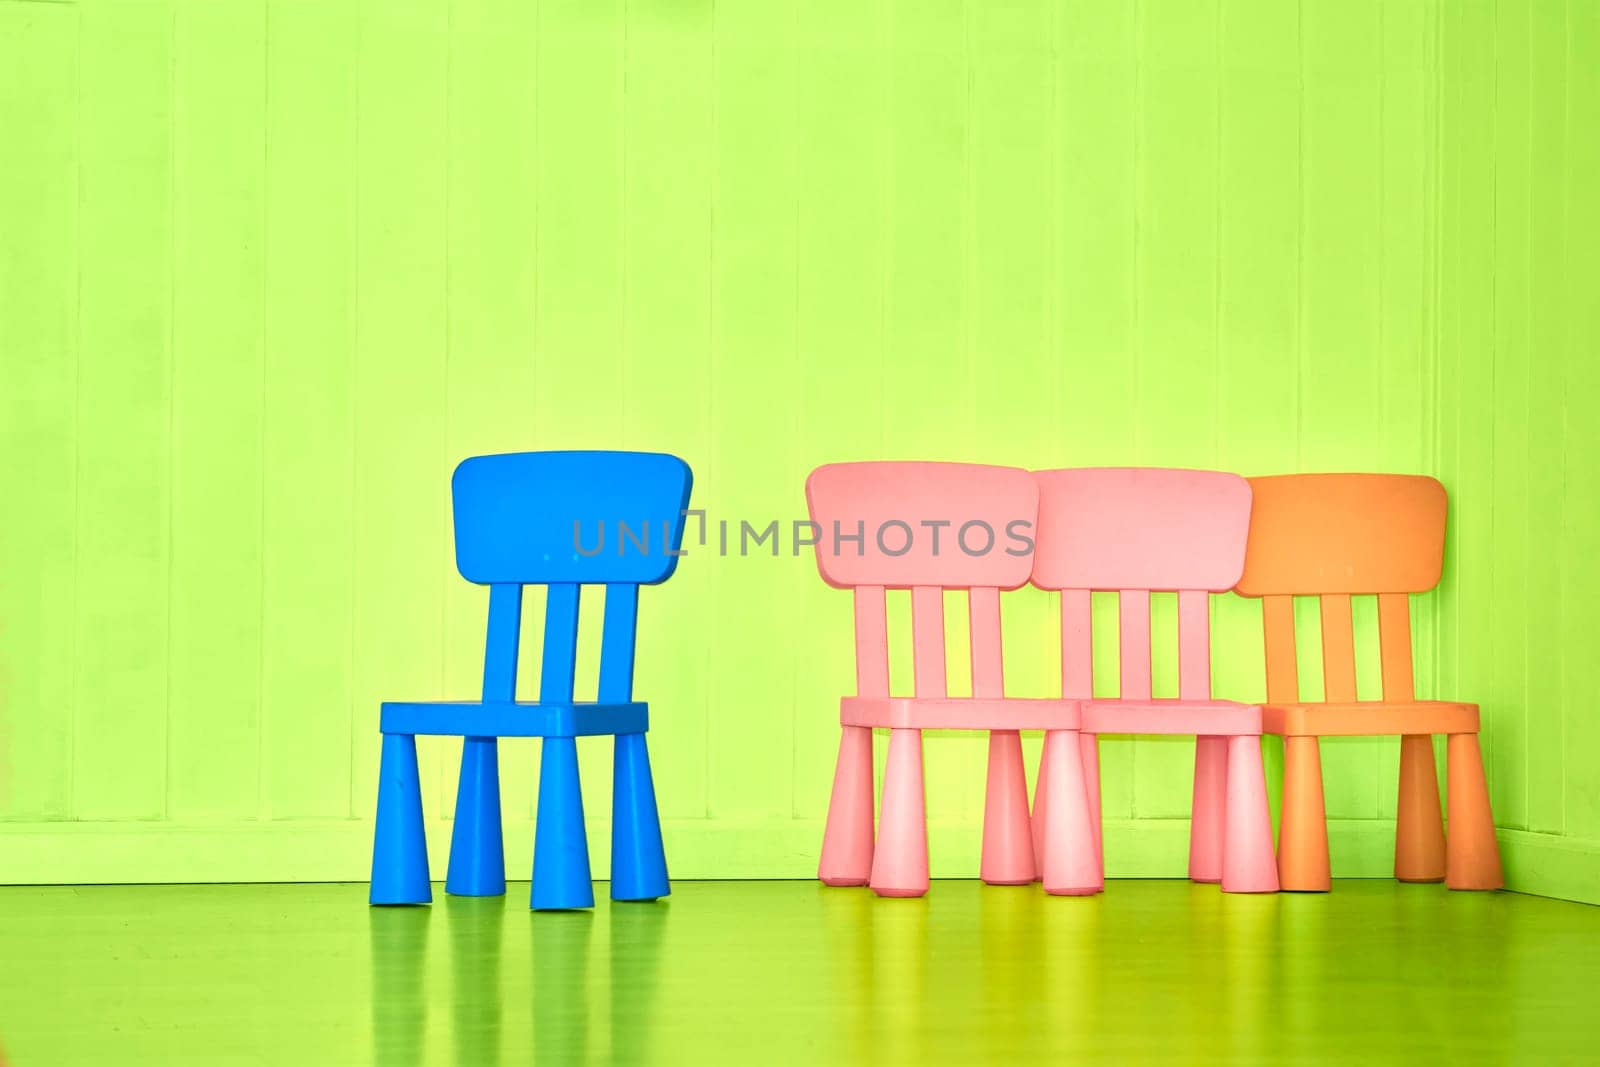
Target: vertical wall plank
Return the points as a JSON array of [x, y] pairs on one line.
[[490, 263], [1015, 371], [840, 103], [125, 366], [1177, 304], [751, 470], [1546, 414], [1405, 374], [218, 203], [580, 312], [1097, 108], [669, 406], [1504, 699], [1341, 214], [928, 232], [401, 469], [1472, 501], [1258, 220], [308, 507], [38, 405], [1581, 600]]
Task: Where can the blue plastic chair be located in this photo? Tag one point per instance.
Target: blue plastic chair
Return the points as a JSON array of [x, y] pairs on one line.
[[561, 519]]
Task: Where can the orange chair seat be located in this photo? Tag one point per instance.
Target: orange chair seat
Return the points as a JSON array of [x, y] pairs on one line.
[[959, 713], [1164, 716], [1370, 718]]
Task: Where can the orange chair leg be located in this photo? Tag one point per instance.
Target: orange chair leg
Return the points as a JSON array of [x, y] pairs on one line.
[[1303, 826], [847, 841], [1472, 853], [1419, 827]]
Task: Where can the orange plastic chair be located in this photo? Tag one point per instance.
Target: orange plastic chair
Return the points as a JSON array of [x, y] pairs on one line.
[[928, 527], [1335, 536]]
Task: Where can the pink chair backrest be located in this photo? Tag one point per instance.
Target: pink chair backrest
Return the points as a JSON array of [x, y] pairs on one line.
[[926, 527], [905, 524], [1133, 531], [1129, 528]]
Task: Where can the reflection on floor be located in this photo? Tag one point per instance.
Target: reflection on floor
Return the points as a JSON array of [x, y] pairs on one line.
[[764, 972]]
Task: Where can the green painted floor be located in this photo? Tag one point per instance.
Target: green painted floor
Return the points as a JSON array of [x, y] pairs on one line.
[[792, 972]]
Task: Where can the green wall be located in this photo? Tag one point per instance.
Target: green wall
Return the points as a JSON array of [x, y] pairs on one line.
[[1519, 365], [270, 269]]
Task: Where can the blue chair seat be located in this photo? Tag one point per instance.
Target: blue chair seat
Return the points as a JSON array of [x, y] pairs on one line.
[[520, 719]]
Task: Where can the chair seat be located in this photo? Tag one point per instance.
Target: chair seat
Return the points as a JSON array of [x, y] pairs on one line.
[[1197, 718], [521, 719], [959, 713], [1370, 718]]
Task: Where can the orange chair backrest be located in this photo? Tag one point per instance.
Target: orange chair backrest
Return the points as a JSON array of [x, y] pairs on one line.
[[1344, 533], [1335, 536]]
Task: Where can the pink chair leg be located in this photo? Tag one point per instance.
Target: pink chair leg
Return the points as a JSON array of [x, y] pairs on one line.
[[1210, 806], [1007, 830], [1070, 866], [900, 862], [847, 841], [1089, 749], [1248, 865], [1040, 792]]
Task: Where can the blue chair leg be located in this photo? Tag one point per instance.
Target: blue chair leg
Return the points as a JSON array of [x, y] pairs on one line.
[[638, 862], [477, 851], [560, 850], [399, 843]]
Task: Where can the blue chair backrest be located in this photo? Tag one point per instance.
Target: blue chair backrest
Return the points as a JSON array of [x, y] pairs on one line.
[[566, 519], [545, 517]]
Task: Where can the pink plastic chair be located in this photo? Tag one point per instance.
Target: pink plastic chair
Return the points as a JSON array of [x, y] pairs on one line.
[[929, 527], [1134, 531]]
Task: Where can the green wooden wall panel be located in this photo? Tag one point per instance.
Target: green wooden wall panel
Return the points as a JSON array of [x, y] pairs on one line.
[[1545, 515], [218, 305], [490, 277], [39, 111], [751, 261], [124, 412], [308, 414], [273, 267], [1581, 600], [401, 520]]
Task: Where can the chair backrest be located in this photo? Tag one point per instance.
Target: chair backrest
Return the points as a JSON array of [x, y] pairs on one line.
[[565, 519], [1135, 531], [1334, 536], [926, 527]]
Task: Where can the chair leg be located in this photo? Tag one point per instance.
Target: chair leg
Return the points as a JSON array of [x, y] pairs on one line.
[[399, 842], [560, 849], [477, 852], [1089, 749], [1069, 862], [1007, 831], [1303, 829], [1248, 865], [1209, 808], [1473, 854], [1419, 854], [1041, 792], [900, 862], [638, 860], [847, 841]]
